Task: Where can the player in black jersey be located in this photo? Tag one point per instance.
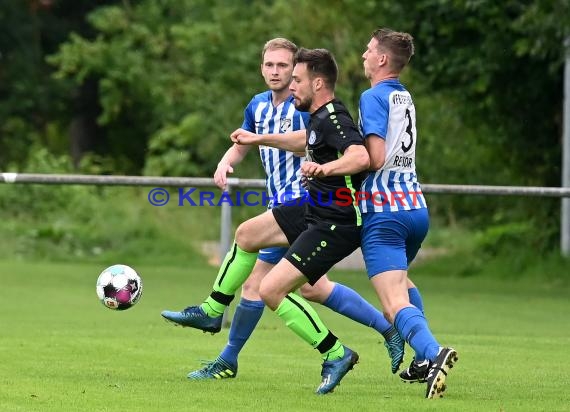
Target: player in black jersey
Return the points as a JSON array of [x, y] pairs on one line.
[[324, 228], [327, 232], [320, 232], [334, 146], [330, 132]]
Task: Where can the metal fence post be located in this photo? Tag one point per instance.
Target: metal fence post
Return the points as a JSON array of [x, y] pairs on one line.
[[225, 244], [565, 203]]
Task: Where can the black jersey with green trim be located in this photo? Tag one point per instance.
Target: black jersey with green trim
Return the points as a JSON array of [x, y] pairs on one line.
[[330, 132]]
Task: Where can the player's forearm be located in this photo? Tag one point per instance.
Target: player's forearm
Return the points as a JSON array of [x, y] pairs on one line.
[[376, 147], [234, 155], [354, 160], [291, 141]]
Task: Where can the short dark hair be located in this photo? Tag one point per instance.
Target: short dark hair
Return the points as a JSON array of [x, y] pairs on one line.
[[400, 46], [320, 63]]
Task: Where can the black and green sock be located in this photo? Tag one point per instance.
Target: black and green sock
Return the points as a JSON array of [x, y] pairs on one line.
[[302, 319], [233, 272]]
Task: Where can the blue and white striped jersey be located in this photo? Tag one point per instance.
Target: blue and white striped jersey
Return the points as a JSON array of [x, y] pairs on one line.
[[282, 168], [387, 110]]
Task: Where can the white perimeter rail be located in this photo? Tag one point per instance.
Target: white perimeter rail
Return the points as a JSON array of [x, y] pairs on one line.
[[226, 219]]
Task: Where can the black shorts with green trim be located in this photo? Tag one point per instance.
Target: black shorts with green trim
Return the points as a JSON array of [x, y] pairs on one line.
[[315, 247]]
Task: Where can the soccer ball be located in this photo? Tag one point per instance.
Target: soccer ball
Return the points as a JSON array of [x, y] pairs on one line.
[[119, 287]]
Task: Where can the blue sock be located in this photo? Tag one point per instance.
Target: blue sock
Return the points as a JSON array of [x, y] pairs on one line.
[[416, 298], [347, 302], [412, 326], [248, 313]]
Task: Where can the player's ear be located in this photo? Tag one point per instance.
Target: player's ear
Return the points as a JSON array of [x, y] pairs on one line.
[[317, 84]]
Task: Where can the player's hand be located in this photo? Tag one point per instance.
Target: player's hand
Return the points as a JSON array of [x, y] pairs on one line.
[[220, 176], [312, 169], [242, 136]]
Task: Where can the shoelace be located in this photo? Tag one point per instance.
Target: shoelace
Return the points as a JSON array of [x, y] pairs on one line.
[[207, 364], [190, 310], [212, 365]]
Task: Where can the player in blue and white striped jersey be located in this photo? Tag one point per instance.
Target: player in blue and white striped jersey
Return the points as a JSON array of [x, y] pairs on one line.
[[281, 167], [394, 210], [387, 110], [269, 112]]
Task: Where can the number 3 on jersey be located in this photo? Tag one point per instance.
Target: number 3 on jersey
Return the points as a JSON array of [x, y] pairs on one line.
[[409, 131]]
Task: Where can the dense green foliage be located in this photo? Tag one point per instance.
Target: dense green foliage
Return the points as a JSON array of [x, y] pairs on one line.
[[155, 86]]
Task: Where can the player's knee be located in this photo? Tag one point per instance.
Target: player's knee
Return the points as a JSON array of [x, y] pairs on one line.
[[263, 292], [311, 293], [250, 289], [268, 295], [244, 238], [320, 291]]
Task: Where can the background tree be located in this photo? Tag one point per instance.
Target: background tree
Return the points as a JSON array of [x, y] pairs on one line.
[[35, 110], [155, 86], [501, 65]]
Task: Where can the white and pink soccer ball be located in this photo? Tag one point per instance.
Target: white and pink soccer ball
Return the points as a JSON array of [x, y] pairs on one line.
[[119, 287]]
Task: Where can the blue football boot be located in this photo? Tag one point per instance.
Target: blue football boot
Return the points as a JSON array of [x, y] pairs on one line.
[[194, 317], [216, 369], [395, 346], [333, 371]]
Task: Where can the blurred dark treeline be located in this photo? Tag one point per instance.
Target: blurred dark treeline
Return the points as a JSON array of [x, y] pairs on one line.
[[155, 86]]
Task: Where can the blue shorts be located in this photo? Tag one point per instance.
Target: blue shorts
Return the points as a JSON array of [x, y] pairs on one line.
[[391, 240], [272, 254]]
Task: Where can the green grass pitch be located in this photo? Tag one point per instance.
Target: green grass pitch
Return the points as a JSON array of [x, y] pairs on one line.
[[61, 350]]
